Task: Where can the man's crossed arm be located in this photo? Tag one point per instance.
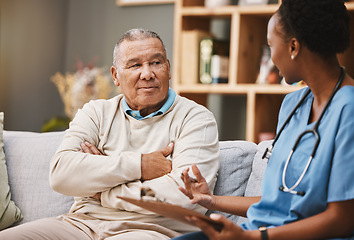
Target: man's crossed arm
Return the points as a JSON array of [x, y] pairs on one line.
[[153, 165]]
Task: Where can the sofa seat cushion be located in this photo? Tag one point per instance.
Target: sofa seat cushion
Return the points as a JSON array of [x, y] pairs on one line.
[[28, 155]]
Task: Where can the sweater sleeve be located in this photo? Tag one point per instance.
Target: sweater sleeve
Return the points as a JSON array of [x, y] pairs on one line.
[[196, 143], [79, 174]]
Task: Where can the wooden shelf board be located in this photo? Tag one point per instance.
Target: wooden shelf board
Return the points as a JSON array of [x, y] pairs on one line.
[[229, 10], [236, 89], [258, 10], [202, 11]]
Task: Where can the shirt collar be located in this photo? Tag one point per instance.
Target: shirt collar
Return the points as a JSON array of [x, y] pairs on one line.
[[136, 114]]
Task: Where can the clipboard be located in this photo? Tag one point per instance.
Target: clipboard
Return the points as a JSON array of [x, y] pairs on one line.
[[169, 210]]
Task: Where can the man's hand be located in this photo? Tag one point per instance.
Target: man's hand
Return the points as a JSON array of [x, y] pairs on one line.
[[88, 147], [155, 164]]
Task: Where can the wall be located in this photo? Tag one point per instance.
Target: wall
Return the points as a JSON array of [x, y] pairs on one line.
[[95, 26], [40, 37], [32, 43]]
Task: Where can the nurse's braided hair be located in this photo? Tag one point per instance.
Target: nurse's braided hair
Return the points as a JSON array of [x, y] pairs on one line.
[[320, 25]]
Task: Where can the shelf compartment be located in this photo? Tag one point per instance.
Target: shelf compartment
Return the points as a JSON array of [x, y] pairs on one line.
[[252, 38], [266, 112]]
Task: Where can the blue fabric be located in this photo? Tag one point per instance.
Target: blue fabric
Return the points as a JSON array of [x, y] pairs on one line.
[[330, 175], [192, 236], [162, 110]]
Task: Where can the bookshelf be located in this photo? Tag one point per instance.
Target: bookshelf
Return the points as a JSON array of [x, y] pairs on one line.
[[247, 35]]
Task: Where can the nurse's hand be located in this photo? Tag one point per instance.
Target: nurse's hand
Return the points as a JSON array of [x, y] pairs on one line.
[[230, 230], [197, 189]]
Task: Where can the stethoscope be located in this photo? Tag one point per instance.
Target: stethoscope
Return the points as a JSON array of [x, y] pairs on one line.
[[314, 131]]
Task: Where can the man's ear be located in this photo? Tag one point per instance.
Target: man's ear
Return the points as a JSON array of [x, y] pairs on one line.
[[294, 48], [169, 69], [114, 73]]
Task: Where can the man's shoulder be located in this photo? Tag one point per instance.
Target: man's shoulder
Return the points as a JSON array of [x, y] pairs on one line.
[[183, 104], [104, 103]]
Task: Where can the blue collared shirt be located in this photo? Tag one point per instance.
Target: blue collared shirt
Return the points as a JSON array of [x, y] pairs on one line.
[[136, 114]]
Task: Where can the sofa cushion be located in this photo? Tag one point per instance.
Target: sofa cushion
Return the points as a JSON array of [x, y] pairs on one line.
[[9, 212], [28, 155], [254, 184], [236, 159]]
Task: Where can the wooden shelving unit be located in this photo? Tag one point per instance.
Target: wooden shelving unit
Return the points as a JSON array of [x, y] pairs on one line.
[[248, 27]]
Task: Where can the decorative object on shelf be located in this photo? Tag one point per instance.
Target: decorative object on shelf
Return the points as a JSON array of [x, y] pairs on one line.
[[78, 88], [206, 50], [219, 69], [142, 2], [56, 124], [268, 73], [208, 47]]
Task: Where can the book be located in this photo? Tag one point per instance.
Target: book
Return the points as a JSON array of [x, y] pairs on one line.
[[169, 210], [190, 55], [209, 47]]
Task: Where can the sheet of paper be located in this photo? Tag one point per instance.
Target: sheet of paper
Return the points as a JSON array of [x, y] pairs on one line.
[[171, 211]]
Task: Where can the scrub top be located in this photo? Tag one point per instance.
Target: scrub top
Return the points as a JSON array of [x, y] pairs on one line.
[[330, 176]]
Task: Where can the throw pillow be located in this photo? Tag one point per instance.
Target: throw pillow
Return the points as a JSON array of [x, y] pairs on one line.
[[9, 212], [254, 184]]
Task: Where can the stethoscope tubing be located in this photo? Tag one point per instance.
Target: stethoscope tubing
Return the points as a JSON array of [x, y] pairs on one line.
[[313, 131]]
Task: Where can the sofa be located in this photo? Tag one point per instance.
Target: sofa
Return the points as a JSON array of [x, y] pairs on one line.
[[27, 156]]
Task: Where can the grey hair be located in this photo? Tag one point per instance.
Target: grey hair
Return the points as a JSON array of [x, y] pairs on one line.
[[133, 35]]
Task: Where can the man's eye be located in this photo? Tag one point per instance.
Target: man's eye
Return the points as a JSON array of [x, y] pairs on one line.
[[156, 63], [134, 65]]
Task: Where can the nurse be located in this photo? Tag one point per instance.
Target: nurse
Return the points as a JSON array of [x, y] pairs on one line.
[[305, 38]]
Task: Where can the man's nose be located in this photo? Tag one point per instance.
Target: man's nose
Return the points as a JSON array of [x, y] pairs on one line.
[[147, 72]]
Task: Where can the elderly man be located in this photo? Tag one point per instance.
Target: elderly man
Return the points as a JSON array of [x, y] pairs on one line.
[[144, 137]]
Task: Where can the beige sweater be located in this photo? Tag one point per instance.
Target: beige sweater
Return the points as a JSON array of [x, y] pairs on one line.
[[123, 139]]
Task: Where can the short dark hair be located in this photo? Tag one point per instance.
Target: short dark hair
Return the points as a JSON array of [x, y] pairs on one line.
[[133, 35], [323, 26]]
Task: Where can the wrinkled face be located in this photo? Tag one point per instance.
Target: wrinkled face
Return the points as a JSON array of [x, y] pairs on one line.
[[143, 73], [281, 51]]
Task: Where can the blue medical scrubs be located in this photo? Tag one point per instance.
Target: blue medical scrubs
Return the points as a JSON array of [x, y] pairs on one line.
[[330, 176]]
